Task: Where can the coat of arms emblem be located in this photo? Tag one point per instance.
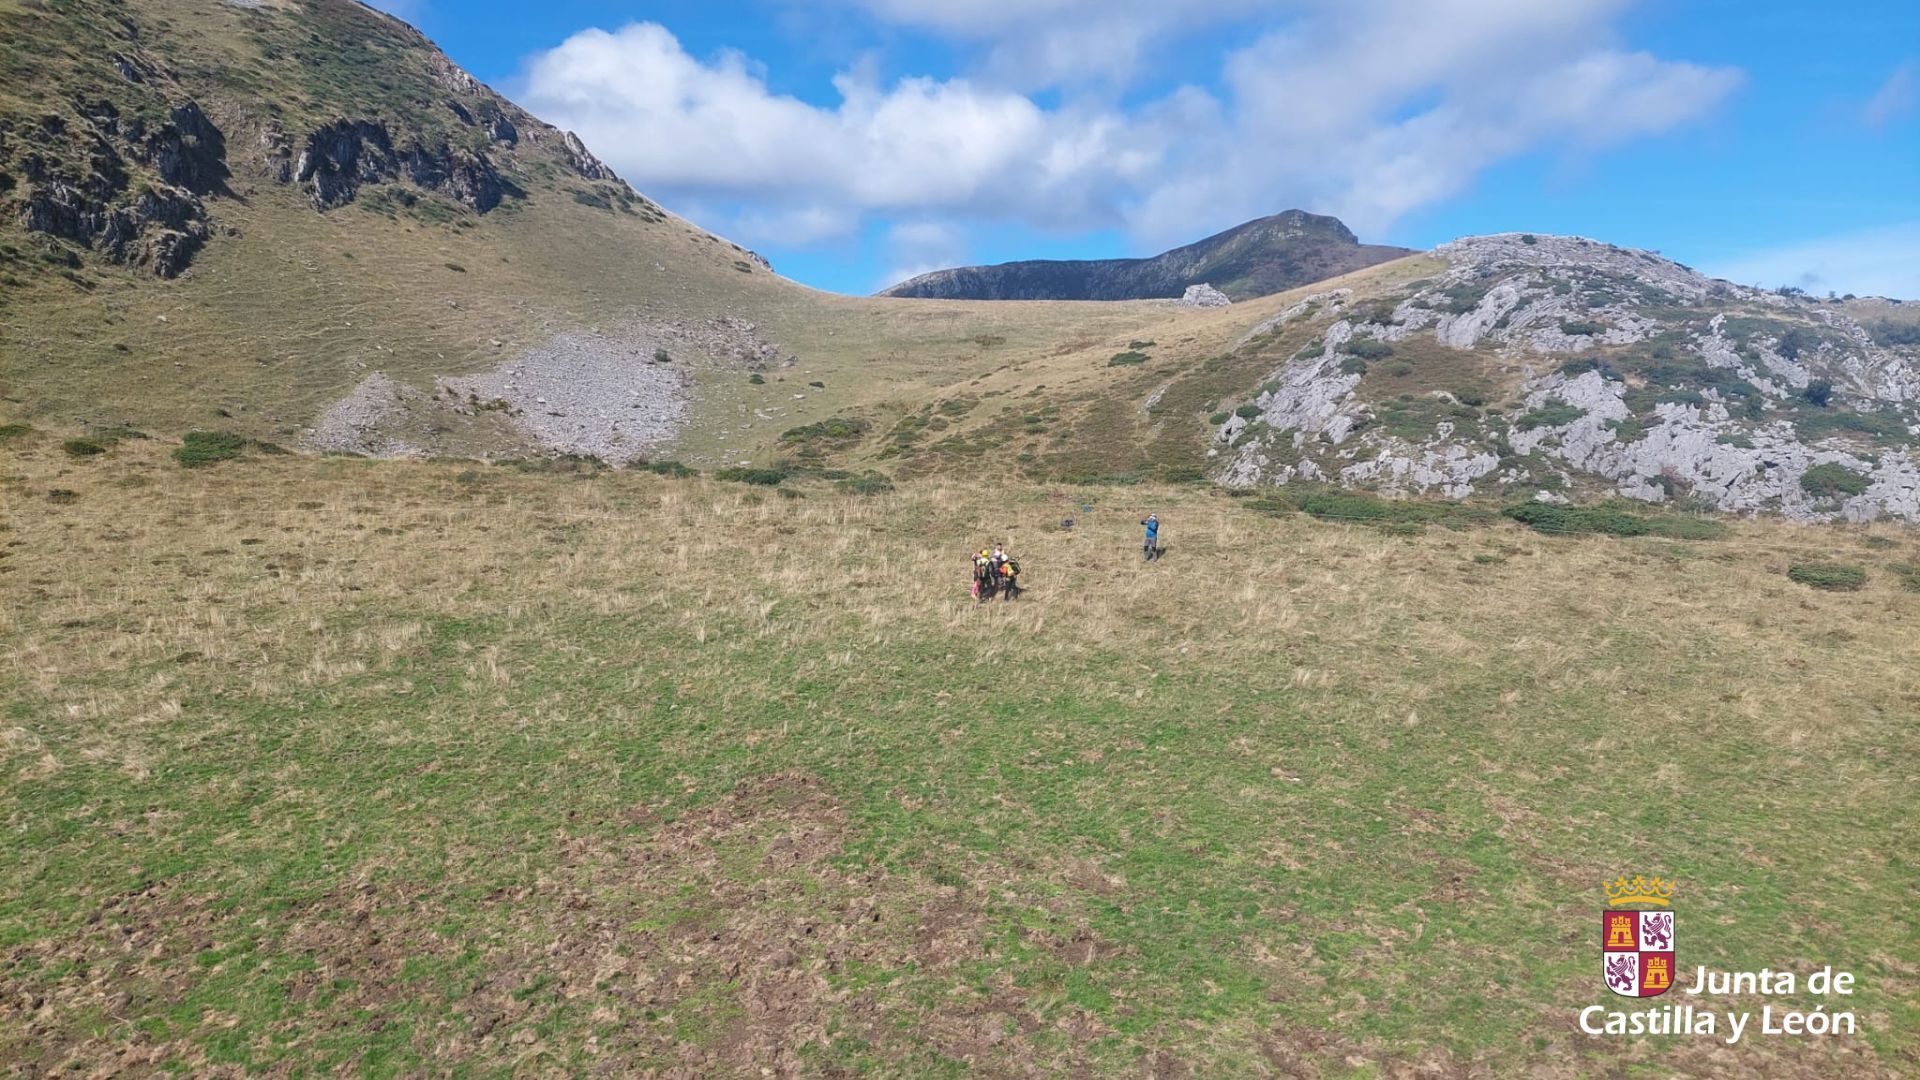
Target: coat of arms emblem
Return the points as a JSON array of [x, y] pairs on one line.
[[1636, 937]]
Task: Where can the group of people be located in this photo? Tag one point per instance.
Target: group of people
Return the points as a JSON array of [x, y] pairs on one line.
[[996, 573]]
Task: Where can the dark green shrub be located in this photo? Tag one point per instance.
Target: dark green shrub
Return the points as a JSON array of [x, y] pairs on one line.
[[1582, 329], [1551, 413], [1627, 431], [1218, 418], [80, 448], [837, 429], [1832, 480], [872, 483], [1248, 411], [1140, 344], [1885, 427], [1353, 365], [765, 477], [757, 379], [1573, 368], [200, 448], [1612, 521], [1529, 239], [1818, 392], [10, 432], [1831, 577], [1463, 298], [1367, 348], [1128, 358], [669, 468], [662, 356]]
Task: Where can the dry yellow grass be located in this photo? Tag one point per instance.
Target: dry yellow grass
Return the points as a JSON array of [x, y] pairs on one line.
[[1250, 808]]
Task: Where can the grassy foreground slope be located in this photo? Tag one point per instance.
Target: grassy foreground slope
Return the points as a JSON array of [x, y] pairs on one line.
[[322, 764]]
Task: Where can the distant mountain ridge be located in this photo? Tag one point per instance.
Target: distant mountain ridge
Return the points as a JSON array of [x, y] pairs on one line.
[[1258, 258]]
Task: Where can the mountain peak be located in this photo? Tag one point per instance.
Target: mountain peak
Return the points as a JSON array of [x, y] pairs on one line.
[[1255, 258]]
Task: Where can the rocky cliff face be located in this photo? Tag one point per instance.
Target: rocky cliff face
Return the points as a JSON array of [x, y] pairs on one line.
[[1265, 256], [121, 185], [1551, 366], [118, 156]]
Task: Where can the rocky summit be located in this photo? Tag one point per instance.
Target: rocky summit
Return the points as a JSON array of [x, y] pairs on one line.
[[1560, 367], [1258, 258]]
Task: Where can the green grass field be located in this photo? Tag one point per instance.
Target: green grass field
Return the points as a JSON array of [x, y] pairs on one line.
[[321, 765]]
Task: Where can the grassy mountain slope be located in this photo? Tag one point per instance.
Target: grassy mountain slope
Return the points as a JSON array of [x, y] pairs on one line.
[[1513, 366], [1256, 258], [316, 766], [290, 288]]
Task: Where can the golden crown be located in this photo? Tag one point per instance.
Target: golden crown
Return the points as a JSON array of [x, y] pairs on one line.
[[1640, 890]]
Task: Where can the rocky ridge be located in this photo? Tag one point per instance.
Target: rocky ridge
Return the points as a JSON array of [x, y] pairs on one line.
[[1259, 257], [1547, 366]]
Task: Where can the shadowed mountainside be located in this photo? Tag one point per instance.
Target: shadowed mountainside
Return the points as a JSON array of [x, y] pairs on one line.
[[1264, 256]]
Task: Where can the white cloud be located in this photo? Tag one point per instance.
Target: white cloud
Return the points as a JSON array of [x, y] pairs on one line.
[[675, 124], [1895, 98], [1367, 109], [1044, 43], [915, 247], [1871, 262]]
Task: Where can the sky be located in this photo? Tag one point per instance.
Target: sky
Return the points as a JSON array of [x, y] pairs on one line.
[[858, 142]]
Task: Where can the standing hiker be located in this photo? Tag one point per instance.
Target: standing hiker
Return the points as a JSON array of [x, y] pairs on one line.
[[1151, 547]]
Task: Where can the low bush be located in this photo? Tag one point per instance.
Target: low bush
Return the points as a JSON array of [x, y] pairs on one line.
[[1463, 298], [559, 464], [201, 448], [1552, 413], [1582, 329], [1218, 418], [668, 468], [1573, 368], [765, 477], [1831, 577], [1367, 349], [1818, 393], [10, 432], [1247, 411], [80, 448], [1611, 520], [1128, 358], [1832, 480], [837, 429]]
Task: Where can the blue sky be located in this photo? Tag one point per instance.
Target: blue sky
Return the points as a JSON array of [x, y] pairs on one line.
[[856, 141]]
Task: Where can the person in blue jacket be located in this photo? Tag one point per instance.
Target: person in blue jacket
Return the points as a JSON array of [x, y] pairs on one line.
[[1152, 545]]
